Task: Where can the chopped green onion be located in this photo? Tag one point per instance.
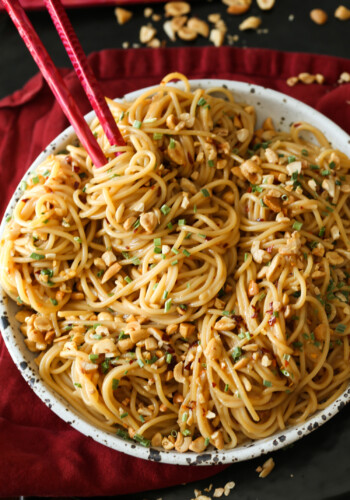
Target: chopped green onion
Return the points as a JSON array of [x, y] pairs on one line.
[[128, 279], [340, 328], [167, 305], [210, 163], [76, 238], [136, 224], [261, 296], [165, 209], [314, 167], [172, 143], [136, 261], [47, 272], [275, 314], [297, 225], [237, 353], [186, 432], [194, 209], [331, 165], [267, 383], [36, 256], [105, 366], [181, 222], [125, 255], [325, 172], [157, 242], [137, 124], [186, 252], [93, 357], [246, 256], [143, 441], [24, 185], [168, 358], [122, 434], [77, 385], [205, 192], [322, 231], [174, 262], [304, 152], [165, 294], [19, 300], [184, 417], [35, 180], [141, 363], [8, 218], [290, 159], [125, 414], [157, 136], [206, 442], [175, 251], [226, 387], [53, 301], [201, 102], [142, 418], [170, 226]]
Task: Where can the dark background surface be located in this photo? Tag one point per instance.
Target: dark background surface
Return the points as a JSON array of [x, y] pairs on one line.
[[317, 467]]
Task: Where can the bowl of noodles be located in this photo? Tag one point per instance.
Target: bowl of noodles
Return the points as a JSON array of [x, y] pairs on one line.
[[187, 302]]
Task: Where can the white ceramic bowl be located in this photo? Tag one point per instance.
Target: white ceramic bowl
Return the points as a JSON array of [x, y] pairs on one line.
[[284, 110]]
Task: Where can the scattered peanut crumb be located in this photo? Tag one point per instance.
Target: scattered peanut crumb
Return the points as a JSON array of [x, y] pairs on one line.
[[122, 15], [125, 45], [318, 16], [214, 18], [197, 493], [218, 492], [305, 78], [291, 17], [210, 487], [265, 4], [148, 12], [342, 13], [147, 33], [251, 23], [344, 77], [266, 468], [156, 18]]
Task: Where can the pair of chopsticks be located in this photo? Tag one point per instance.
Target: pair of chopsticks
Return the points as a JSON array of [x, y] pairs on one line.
[[56, 83]]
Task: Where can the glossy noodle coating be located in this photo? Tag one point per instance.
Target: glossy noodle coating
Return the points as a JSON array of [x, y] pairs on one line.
[[194, 290]]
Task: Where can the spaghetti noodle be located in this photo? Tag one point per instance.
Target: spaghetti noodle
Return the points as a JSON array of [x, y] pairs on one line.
[[194, 290]]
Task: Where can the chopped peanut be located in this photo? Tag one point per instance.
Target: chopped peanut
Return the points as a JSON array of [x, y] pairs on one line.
[[122, 15]]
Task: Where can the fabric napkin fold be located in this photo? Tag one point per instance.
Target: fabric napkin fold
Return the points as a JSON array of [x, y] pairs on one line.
[[40, 454]]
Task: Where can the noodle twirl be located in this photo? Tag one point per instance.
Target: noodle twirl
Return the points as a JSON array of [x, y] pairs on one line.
[[195, 290]]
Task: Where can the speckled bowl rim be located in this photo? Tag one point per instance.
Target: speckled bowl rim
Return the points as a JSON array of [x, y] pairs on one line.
[[268, 103]]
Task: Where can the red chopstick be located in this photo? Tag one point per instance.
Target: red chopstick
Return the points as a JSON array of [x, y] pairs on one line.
[[54, 80], [83, 71]]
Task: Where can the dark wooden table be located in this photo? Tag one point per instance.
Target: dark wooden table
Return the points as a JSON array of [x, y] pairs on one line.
[[318, 467]]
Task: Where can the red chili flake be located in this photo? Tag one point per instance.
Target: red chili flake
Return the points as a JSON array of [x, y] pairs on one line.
[[76, 185], [297, 125], [192, 405], [238, 318], [269, 249], [131, 361], [76, 168], [247, 209], [272, 321], [188, 366], [68, 159], [249, 190], [154, 186], [213, 384], [286, 363], [260, 220], [255, 315], [25, 200], [225, 245]]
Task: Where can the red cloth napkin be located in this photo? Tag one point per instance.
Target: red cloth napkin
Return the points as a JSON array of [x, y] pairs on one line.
[[40, 454]]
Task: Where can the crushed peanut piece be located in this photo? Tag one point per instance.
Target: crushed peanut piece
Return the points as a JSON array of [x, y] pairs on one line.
[[318, 16], [266, 468], [251, 23], [122, 15]]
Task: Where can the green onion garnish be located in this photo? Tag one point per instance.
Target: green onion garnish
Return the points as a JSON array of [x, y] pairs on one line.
[[53, 301], [172, 143], [157, 136], [167, 305], [36, 256], [137, 124], [168, 358], [321, 232], [297, 225], [181, 222], [35, 179], [165, 209], [267, 383], [186, 252], [201, 102], [205, 192], [340, 328], [93, 357], [210, 163], [143, 441], [128, 279], [125, 414]]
